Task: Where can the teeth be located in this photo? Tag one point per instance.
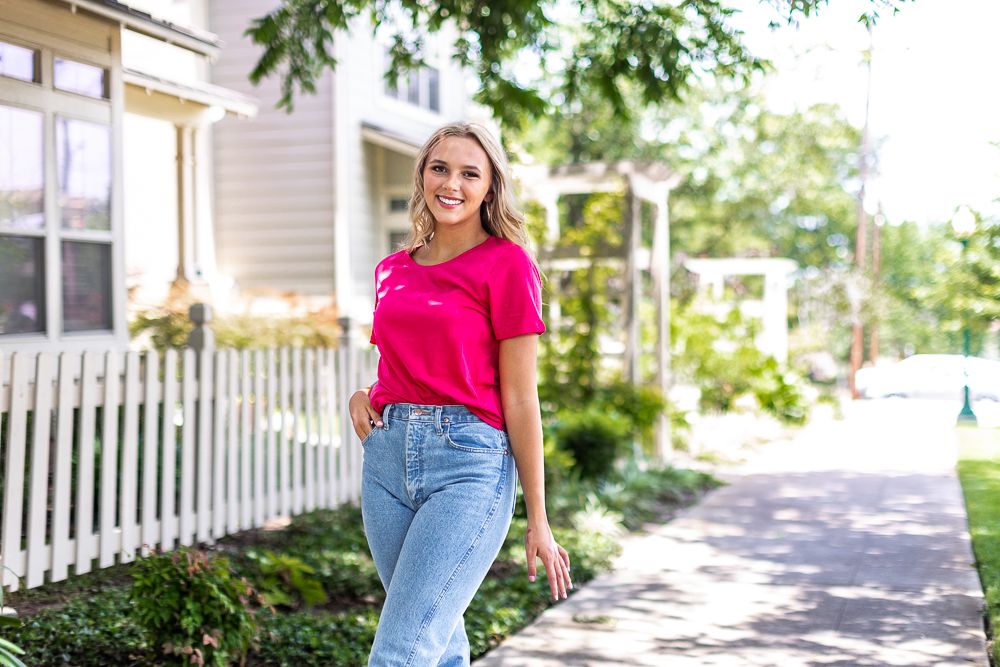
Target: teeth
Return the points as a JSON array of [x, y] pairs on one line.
[[451, 202]]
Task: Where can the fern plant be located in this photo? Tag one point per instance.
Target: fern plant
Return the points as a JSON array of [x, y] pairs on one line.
[[9, 650]]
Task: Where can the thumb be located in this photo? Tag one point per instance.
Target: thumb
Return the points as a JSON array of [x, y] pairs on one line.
[[374, 416], [531, 565]]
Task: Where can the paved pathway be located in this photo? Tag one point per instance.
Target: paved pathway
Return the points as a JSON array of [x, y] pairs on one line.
[[848, 546]]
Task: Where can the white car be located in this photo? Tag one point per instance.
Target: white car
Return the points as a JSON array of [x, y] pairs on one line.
[[931, 376]]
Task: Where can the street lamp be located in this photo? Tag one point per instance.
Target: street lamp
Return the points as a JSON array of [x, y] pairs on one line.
[[964, 225]]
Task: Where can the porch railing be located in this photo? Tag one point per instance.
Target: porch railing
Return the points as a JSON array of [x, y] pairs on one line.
[[104, 454]]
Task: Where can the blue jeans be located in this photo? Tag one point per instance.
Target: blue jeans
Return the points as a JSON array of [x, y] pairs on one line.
[[438, 489]]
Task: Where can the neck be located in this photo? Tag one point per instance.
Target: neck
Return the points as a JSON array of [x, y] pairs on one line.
[[448, 242]]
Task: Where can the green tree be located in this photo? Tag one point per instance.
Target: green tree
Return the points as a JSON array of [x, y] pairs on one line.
[[569, 366], [599, 45], [898, 304], [965, 289]]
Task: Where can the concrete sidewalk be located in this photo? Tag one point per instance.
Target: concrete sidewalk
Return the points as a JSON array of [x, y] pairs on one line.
[[848, 546]]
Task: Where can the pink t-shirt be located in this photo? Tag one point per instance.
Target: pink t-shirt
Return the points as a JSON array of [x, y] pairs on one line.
[[438, 328]]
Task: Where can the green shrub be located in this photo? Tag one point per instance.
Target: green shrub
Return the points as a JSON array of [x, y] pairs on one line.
[[642, 497], [721, 359], [168, 326], [191, 605], [640, 406], [284, 580], [347, 574], [333, 543], [594, 438], [91, 630], [301, 639], [9, 651]]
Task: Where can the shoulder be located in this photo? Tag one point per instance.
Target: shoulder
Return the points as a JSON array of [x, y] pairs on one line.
[[390, 260], [507, 254]]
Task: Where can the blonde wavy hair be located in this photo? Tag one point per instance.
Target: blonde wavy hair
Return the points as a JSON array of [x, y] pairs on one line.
[[499, 216]]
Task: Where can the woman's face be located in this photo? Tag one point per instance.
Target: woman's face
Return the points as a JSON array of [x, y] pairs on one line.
[[457, 178]]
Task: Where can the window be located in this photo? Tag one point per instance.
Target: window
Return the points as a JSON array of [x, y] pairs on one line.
[[22, 270], [420, 87], [86, 286], [83, 162], [74, 77], [397, 238], [18, 62], [22, 169], [55, 261], [22, 285]]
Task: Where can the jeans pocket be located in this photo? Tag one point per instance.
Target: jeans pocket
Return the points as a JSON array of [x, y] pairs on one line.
[[477, 437], [368, 436]]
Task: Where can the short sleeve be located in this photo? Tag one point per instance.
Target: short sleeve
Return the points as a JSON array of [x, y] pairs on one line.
[[515, 295]]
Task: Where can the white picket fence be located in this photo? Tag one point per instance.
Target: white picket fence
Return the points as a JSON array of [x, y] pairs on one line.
[[104, 454]]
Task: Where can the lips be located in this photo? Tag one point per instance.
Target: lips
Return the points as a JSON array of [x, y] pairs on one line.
[[448, 202]]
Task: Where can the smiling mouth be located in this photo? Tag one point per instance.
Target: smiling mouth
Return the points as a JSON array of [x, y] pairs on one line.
[[447, 201]]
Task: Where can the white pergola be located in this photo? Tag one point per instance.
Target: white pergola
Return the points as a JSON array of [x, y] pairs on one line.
[[649, 182], [771, 309]]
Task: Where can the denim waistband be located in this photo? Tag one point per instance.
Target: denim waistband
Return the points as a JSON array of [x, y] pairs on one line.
[[436, 414]]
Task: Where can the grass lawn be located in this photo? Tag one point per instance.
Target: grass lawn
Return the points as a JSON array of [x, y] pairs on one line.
[[979, 470]]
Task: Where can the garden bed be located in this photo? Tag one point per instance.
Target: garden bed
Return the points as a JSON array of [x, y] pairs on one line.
[[89, 620]]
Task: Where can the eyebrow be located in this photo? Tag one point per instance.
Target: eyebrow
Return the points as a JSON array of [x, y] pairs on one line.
[[468, 166]]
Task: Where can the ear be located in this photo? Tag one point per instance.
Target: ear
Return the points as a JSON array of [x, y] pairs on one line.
[[488, 197]]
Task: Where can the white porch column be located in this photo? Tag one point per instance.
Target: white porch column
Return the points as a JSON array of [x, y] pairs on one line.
[[185, 202]]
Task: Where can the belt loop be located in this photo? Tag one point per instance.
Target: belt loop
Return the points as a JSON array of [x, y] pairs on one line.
[[437, 419]]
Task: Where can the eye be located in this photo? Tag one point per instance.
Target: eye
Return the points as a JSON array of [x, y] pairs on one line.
[[472, 174], [437, 168]]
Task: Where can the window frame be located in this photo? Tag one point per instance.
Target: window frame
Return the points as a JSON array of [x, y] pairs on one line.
[[42, 96], [422, 109], [37, 64]]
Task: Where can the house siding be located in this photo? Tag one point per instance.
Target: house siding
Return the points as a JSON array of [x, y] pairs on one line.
[[273, 176], [289, 188]]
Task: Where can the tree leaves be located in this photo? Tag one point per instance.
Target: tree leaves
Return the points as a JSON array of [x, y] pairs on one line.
[[603, 44]]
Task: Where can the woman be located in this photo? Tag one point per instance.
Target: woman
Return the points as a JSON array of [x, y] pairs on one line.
[[453, 419]]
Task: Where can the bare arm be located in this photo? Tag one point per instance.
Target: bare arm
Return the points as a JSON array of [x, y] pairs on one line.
[[519, 395]]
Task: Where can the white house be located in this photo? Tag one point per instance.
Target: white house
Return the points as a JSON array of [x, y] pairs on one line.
[[100, 176], [309, 202], [134, 151]]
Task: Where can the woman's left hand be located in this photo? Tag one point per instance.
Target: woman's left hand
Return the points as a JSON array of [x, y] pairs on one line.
[[539, 543]]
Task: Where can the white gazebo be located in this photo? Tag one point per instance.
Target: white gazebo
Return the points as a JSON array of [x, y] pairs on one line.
[[640, 182], [771, 307]]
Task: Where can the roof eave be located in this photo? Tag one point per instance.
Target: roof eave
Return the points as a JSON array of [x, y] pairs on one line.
[[203, 43]]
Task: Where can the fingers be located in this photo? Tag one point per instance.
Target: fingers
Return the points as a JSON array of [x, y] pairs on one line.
[[559, 580], [556, 564], [374, 417], [366, 418], [565, 557]]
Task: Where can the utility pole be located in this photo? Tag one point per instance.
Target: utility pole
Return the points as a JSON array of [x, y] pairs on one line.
[[873, 341], [860, 246]]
